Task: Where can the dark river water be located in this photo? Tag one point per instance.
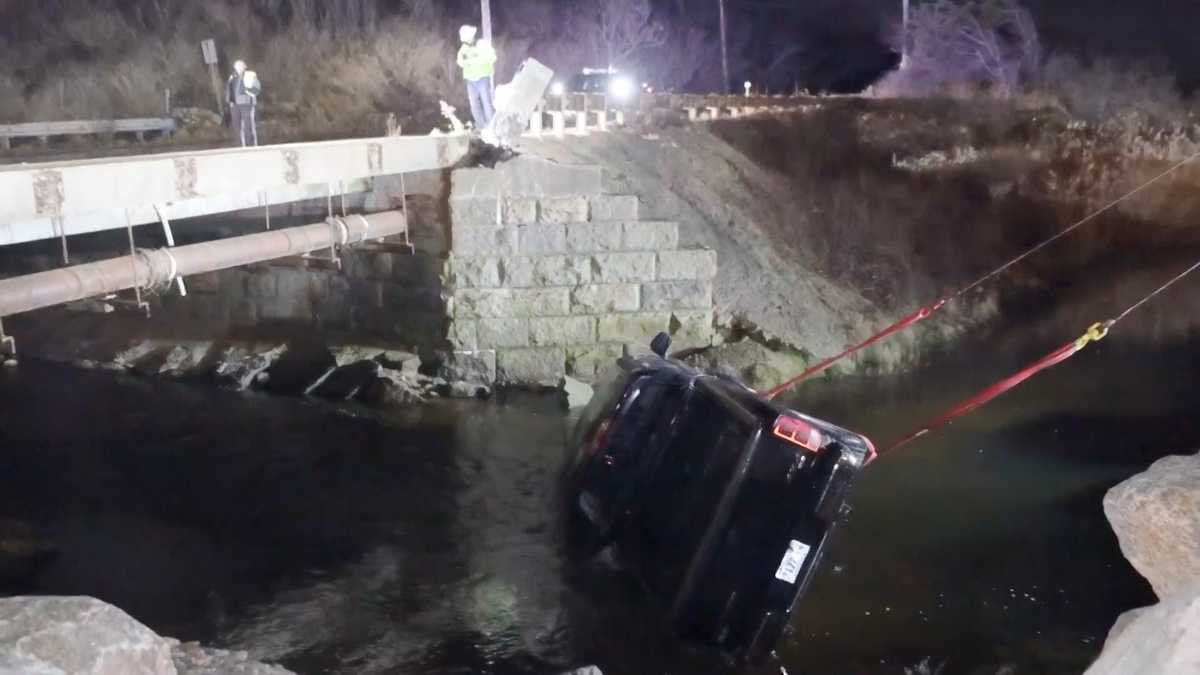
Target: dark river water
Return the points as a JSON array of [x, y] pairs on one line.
[[336, 540]]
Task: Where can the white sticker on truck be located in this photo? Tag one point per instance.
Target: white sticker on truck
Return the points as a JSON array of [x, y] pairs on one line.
[[793, 561]]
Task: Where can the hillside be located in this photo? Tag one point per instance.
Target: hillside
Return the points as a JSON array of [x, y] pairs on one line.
[[833, 222]]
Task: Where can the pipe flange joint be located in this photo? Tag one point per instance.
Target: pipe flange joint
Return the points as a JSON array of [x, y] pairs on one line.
[[339, 231]]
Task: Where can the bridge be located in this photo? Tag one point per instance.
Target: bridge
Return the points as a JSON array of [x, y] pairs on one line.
[[59, 200], [64, 199], [519, 222]]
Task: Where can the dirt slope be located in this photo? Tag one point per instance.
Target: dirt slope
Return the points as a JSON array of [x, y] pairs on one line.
[[724, 201], [832, 222]]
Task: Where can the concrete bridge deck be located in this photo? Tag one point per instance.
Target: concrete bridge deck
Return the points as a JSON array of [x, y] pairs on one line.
[[58, 199]]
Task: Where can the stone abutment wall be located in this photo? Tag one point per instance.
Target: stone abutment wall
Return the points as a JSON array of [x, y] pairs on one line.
[[549, 277], [522, 274]]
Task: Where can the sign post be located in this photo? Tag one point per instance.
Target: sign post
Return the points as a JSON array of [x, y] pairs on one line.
[[209, 47]]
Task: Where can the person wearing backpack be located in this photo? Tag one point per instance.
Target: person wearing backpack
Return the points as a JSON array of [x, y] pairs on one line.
[[241, 94]]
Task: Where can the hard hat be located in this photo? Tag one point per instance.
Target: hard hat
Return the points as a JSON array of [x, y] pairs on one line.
[[467, 33], [239, 66]]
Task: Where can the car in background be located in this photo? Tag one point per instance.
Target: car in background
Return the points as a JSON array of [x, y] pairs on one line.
[[620, 87]]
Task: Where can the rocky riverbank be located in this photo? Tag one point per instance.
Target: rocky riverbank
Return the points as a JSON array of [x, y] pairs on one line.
[[1156, 517], [84, 636], [290, 364]]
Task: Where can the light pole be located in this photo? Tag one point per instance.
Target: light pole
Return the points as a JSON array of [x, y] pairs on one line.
[[903, 38], [724, 47]]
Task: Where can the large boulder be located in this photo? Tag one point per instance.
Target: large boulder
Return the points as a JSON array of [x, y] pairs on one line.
[[1156, 516], [1159, 640], [77, 636], [84, 636]]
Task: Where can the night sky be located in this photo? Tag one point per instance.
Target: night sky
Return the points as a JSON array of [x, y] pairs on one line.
[[841, 37]]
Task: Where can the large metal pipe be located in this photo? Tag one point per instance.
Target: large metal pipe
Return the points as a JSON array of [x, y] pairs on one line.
[[160, 267]]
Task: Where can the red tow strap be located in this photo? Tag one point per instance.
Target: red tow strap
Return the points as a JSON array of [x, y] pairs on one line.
[[914, 318], [1094, 334]]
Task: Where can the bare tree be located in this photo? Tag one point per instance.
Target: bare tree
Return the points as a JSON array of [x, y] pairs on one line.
[[621, 28], [691, 58], [337, 18], [976, 43]]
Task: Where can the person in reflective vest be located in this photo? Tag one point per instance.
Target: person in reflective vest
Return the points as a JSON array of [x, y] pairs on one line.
[[241, 95], [478, 62]]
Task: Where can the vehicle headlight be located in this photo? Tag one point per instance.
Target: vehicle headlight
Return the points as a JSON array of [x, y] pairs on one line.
[[622, 88], [558, 89]]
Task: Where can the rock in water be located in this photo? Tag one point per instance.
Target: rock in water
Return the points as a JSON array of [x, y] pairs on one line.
[[405, 362], [185, 358], [466, 390], [393, 389], [477, 367], [301, 364], [193, 659], [242, 365], [1156, 516], [345, 383], [345, 355], [578, 393], [79, 636], [1159, 640], [84, 636]]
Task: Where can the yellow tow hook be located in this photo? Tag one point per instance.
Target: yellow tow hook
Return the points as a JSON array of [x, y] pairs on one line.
[[1095, 333]]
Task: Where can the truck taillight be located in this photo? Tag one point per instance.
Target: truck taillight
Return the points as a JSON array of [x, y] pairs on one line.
[[798, 432], [599, 437]]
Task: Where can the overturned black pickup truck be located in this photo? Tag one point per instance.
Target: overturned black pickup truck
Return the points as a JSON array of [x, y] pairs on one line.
[[719, 501]]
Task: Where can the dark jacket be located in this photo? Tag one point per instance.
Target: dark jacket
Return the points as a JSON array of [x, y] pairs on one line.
[[236, 91]]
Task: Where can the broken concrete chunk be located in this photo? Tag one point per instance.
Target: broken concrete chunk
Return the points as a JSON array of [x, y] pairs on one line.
[[185, 358], [345, 383], [578, 393], [406, 362], [241, 365], [476, 367]]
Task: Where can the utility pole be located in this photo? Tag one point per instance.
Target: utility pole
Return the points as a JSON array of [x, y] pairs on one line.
[[724, 47], [485, 11], [904, 39]]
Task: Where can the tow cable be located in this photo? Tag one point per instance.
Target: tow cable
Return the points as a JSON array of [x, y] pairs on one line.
[[928, 311], [1095, 333]]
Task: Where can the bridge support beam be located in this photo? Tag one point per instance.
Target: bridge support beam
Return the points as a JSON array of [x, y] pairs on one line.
[[32, 192], [159, 268]]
